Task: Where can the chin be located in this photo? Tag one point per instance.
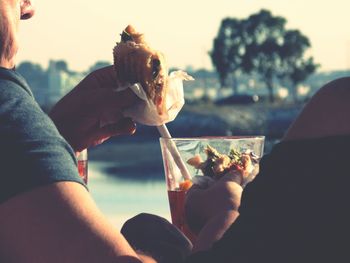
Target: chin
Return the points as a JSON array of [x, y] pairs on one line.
[[9, 64]]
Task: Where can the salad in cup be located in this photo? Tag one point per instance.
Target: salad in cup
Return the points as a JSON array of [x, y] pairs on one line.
[[243, 164]]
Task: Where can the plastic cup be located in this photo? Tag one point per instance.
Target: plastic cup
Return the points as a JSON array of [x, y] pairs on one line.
[[177, 184], [82, 159]]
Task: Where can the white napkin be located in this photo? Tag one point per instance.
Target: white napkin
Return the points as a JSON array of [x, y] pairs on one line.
[[145, 112]]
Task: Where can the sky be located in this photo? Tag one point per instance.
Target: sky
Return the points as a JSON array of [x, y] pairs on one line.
[[85, 31]]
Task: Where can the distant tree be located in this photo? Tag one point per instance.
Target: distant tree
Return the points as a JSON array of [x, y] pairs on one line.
[[260, 44], [228, 48], [264, 36], [297, 67], [219, 57], [202, 73]]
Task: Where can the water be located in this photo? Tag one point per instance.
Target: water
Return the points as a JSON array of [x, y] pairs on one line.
[[121, 198]]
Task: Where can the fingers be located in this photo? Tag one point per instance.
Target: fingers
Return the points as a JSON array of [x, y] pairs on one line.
[[100, 100], [101, 78], [123, 98], [233, 176], [106, 77], [124, 127], [96, 93], [205, 182], [202, 182]]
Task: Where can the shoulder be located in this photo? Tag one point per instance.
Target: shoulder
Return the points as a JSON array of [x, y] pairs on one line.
[[344, 81], [338, 88], [21, 117], [20, 114], [32, 150], [10, 78]]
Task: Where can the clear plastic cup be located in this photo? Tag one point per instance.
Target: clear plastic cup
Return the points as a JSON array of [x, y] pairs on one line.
[[82, 158], [177, 177]]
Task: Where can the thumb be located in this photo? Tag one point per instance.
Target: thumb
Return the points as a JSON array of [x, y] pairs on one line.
[[233, 176], [124, 127]]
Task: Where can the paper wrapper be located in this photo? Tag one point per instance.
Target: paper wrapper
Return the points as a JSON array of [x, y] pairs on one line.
[[145, 112]]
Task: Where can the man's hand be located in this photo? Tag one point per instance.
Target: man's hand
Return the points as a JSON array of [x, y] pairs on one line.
[[205, 203], [92, 112]]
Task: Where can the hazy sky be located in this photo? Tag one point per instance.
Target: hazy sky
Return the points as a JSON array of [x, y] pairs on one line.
[[85, 31]]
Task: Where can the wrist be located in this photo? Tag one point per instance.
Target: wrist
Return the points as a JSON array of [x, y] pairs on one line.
[[145, 258], [214, 229]]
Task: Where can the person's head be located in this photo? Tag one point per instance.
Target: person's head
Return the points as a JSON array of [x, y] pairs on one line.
[[11, 11]]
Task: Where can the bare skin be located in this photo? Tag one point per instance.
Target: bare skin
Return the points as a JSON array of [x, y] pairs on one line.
[[11, 11], [211, 211], [93, 111], [325, 115], [60, 222], [59, 228]]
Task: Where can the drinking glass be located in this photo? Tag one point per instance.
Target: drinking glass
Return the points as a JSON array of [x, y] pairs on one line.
[[179, 175], [82, 158]]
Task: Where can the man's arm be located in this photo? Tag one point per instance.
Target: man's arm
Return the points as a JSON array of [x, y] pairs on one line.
[[59, 223], [214, 229], [211, 211]]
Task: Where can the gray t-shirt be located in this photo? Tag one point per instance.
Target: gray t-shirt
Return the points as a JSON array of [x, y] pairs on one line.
[[32, 152]]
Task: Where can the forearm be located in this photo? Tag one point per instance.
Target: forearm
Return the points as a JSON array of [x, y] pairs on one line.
[[145, 258], [59, 223], [214, 230]]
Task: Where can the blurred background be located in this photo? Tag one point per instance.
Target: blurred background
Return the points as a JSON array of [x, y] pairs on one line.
[[255, 64]]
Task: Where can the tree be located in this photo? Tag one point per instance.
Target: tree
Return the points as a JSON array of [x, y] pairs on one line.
[[297, 67], [228, 49], [260, 44], [264, 39]]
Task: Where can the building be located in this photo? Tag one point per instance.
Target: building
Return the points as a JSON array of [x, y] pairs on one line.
[[60, 81]]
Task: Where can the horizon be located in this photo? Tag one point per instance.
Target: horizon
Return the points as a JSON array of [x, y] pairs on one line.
[[82, 33], [189, 68]]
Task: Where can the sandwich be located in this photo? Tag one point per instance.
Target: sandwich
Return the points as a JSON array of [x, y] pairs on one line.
[[136, 62]]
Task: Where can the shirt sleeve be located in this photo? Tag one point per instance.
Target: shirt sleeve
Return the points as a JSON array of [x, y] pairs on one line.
[[32, 152]]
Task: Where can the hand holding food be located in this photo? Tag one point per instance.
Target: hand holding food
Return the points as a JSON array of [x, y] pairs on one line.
[[203, 204], [144, 70], [218, 190], [92, 112]]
